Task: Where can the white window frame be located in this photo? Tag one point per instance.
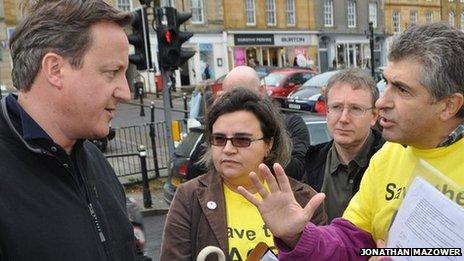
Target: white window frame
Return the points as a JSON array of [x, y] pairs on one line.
[[250, 12], [396, 25], [373, 14], [462, 21], [167, 3], [271, 12], [124, 5], [198, 16], [328, 13], [351, 14], [451, 18], [290, 12], [429, 17], [413, 18]]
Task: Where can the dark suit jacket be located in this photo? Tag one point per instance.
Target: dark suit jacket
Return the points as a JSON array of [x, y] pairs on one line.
[[191, 225]]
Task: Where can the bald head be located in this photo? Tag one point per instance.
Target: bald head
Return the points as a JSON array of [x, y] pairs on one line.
[[242, 76]]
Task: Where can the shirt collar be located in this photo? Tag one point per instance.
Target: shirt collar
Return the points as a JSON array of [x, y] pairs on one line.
[[454, 136], [361, 159], [29, 129]]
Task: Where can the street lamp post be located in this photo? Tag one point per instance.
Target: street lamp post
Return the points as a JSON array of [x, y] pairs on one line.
[[371, 43]]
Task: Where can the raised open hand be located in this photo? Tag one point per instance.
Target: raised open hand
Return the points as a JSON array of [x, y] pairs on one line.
[[280, 211]]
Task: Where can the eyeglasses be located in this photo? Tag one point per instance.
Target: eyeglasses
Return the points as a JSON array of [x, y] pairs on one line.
[[353, 110], [239, 142]]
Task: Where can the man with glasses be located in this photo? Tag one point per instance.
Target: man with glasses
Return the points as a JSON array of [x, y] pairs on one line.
[[336, 167]]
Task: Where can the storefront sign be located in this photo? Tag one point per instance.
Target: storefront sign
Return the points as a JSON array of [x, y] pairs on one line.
[[292, 39], [254, 39]]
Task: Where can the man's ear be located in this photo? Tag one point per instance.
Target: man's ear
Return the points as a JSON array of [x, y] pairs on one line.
[[452, 105], [52, 67]]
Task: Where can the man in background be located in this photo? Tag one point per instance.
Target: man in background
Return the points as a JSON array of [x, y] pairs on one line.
[[337, 167], [244, 76]]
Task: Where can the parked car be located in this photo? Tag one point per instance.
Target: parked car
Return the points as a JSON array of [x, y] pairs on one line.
[[316, 125], [216, 85], [317, 128], [280, 83], [179, 163], [305, 97], [263, 71], [135, 217]]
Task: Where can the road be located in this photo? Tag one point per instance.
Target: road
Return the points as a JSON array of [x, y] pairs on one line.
[[153, 231]]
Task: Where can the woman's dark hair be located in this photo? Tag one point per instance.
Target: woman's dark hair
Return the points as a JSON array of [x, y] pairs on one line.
[[271, 122]]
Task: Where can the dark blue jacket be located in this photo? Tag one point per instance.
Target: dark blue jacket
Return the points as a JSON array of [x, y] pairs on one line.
[[46, 213]]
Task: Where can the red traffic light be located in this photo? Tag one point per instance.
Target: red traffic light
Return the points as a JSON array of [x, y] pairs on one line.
[[168, 36]]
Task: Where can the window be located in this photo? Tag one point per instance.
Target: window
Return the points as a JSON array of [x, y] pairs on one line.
[[290, 12], [413, 18], [451, 18], [270, 12], [351, 14], [328, 13], [167, 3], [197, 11], [373, 14], [396, 22], [429, 17], [250, 12], [462, 21], [124, 5]]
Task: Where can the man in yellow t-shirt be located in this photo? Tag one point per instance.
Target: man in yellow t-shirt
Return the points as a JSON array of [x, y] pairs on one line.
[[422, 115]]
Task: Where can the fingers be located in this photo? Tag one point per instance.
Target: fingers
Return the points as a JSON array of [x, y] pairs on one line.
[[282, 178], [250, 197], [270, 180], [313, 204], [258, 185]]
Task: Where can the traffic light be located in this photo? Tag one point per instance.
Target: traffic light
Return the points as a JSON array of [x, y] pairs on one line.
[[171, 55], [140, 39]]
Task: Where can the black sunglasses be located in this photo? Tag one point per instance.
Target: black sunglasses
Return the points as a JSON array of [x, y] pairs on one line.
[[239, 142]]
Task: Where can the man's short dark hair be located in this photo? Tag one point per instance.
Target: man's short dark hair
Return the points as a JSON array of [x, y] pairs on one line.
[[59, 26]]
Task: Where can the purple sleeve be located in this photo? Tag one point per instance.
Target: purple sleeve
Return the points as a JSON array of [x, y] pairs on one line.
[[341, 240]]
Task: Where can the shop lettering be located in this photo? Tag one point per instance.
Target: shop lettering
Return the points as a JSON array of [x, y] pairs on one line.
[[293, 39]]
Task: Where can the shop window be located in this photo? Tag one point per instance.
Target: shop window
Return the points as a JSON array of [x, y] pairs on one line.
[[124, 5], [462, 21], [328, 13], [270, 12], [351, 14], [373, 14], [451, 18], [396, 22], [250, 12], [167, 3], [197, 11], [413, 18], [429, 17], [290, 12]]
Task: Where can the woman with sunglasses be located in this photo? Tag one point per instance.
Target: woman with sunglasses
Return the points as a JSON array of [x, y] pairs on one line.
[[243, 130]]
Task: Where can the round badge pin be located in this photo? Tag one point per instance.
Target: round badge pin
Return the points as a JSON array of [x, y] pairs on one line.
[[211, 205]]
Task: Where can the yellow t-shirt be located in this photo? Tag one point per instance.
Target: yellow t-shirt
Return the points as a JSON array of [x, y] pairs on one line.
[[387, 177], [245, 227]]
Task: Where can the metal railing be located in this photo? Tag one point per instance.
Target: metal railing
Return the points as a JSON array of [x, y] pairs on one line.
[[121, 150]]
